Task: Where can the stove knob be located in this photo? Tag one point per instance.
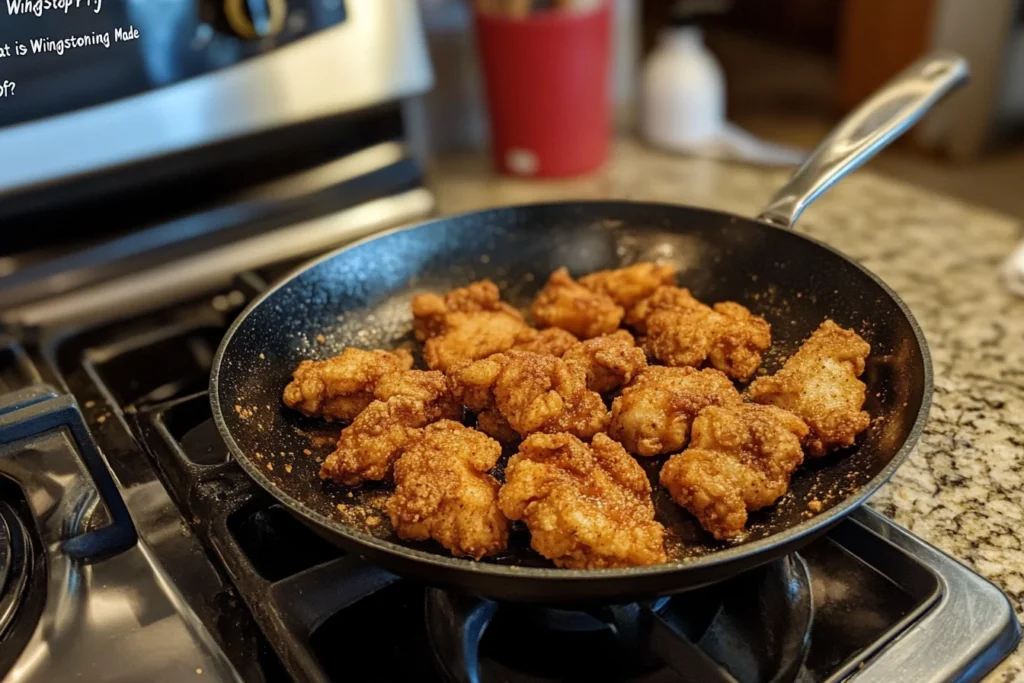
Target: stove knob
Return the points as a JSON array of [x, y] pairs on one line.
[[253, 19]]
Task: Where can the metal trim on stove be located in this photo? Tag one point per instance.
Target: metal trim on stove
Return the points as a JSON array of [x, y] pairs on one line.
[[973, 626], [181, 279], [39, 410], [24, 397], [377, 54], [201, 592], [900, 567], [283, 200], [44, 444]]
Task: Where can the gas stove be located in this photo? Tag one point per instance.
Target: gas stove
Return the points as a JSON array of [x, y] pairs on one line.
[[132, 548], [126, 527]]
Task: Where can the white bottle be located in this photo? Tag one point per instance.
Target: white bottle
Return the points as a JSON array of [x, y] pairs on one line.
[[683, 100]]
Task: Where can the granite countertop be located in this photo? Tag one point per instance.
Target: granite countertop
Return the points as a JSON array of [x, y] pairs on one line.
[[963, 487]]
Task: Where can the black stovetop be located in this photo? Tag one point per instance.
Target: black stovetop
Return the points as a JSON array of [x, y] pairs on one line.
[[286, 605]]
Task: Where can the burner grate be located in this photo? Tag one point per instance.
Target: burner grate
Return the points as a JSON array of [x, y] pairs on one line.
[[292, 580], [119, 401], [277, 544]]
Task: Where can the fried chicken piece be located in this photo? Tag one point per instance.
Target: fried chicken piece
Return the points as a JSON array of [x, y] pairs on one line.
[[626, 286], [538, 393], [532, 392], [569, 305], [665, 298], [472, 382], [553, 341], [587, 507], [819, 384], [740, 339], [430, 387], [680, 339], [428, 315], [443, 491], [369, 446], [339, 388], [740, 459], [470, 336], [610, 361], [491, 423], [406, 401], [654, 412], [430, 311], [683, 331]]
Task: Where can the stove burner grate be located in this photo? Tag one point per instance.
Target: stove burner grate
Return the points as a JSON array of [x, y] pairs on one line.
[[750, 629]]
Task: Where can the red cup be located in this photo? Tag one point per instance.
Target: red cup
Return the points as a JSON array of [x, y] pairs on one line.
[[547, 79]]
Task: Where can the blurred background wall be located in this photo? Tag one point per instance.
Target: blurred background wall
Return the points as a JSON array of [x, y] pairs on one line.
[[794, 67]]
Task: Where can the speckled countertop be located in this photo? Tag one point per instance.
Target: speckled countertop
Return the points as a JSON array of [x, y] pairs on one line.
[[963, 487]]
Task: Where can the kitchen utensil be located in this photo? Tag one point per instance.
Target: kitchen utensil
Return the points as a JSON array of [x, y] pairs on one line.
[[360, 296]]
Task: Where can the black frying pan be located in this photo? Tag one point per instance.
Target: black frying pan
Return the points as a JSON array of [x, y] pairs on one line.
[[359, 296]]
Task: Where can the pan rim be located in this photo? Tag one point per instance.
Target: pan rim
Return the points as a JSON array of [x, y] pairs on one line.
[[736, 552]]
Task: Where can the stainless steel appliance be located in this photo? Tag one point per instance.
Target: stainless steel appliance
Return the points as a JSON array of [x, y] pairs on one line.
[[160, 151], [193, 77], [131, 546]]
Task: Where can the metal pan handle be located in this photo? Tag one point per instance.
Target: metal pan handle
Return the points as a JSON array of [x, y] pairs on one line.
[[886, 115]]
